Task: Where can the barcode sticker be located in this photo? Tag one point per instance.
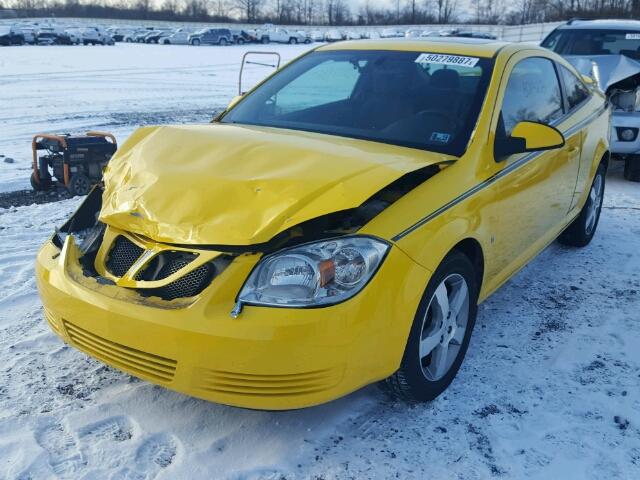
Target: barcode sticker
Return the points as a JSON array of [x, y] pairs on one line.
[[442, 59], [632, 36]]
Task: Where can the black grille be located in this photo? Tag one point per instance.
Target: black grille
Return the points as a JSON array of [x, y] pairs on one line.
[[187, 286], [165, 264], [122, 256]]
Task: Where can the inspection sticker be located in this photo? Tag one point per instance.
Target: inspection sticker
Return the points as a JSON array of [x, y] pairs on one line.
[[441, 59], [632, 36], [440, 137]]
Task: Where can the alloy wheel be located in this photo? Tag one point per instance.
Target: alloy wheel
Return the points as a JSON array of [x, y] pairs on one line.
[[444, 327], [594, 204]]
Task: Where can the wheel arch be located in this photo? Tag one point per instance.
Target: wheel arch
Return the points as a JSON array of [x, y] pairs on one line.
[[605, 159], [472, 249]]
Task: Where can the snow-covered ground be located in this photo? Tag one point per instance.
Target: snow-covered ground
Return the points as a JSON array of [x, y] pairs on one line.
[[549, 389], [74, 89]]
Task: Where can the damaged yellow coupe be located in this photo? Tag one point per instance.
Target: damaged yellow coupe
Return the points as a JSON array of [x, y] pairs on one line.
[[334, 227]]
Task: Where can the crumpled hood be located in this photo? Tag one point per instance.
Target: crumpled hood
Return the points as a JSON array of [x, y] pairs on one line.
[[238, 185], [607, 70]]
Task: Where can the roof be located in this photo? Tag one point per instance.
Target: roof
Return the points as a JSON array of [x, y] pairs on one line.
[[479, 47], [601, 25]]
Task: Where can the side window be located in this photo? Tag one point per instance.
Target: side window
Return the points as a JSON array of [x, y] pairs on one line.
[[328, 82], [533, 94], [575, 89]]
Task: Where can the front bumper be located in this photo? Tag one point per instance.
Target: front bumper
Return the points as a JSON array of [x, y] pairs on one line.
[[620, 119], [267, 358]]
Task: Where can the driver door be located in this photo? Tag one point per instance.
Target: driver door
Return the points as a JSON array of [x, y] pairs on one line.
[[533, 191]]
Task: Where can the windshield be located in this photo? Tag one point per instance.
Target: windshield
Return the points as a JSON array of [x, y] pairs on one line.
[[594, 42], [413, 99]]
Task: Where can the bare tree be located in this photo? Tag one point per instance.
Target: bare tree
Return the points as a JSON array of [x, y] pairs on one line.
[[446, 10], [249, 9]]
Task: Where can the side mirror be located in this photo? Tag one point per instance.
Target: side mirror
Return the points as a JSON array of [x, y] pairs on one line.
[[528, 137]]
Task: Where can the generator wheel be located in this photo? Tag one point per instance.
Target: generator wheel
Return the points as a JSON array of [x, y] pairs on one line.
[[79, 184], [39, 185]]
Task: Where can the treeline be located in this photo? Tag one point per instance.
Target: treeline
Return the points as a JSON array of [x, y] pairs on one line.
[[332, 12]]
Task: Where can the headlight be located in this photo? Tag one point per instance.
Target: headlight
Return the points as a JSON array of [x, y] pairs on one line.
[[319, 273]]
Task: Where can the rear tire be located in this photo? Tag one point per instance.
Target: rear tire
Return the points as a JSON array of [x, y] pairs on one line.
[[223, 42], [583, 228], [293, 41], [79, 184], [440, 333], [265, 40], [632, 168]]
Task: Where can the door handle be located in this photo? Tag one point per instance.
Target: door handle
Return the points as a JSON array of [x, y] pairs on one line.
[[573, 150]]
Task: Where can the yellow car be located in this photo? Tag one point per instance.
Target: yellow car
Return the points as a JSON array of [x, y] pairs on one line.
[[334, 227]]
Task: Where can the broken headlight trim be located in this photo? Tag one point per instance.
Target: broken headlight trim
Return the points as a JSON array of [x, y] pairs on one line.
[[314, 274]]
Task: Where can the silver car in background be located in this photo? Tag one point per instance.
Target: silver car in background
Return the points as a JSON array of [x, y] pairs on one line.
[[609, 52]]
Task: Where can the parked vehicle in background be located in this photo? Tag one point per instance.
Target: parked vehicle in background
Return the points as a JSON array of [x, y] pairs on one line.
[[281, 35], [158, 36], [465, 34], [451, 32], [95, 36], [241, 37], [132, 36], [120, 35], [180, 37], [8, 37], [390, 33], [413, 33], [353, 35], [211, 36], [74, 35], [429, 33], [142, 35], [333, 36], [27, 31], [46, 36], [317, 36], [609, 51], [306, 38], [67, 37]]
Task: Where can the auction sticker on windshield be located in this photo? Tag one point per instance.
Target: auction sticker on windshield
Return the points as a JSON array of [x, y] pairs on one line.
[[632, 36], [440, 59]]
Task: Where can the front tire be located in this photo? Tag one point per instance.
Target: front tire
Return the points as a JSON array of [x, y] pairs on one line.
[[223, 42], [632, 168], [583, 228], [293, 40], [440, 333], [195, 42]]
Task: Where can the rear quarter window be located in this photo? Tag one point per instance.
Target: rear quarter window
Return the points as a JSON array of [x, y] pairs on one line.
[[576, 91]]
